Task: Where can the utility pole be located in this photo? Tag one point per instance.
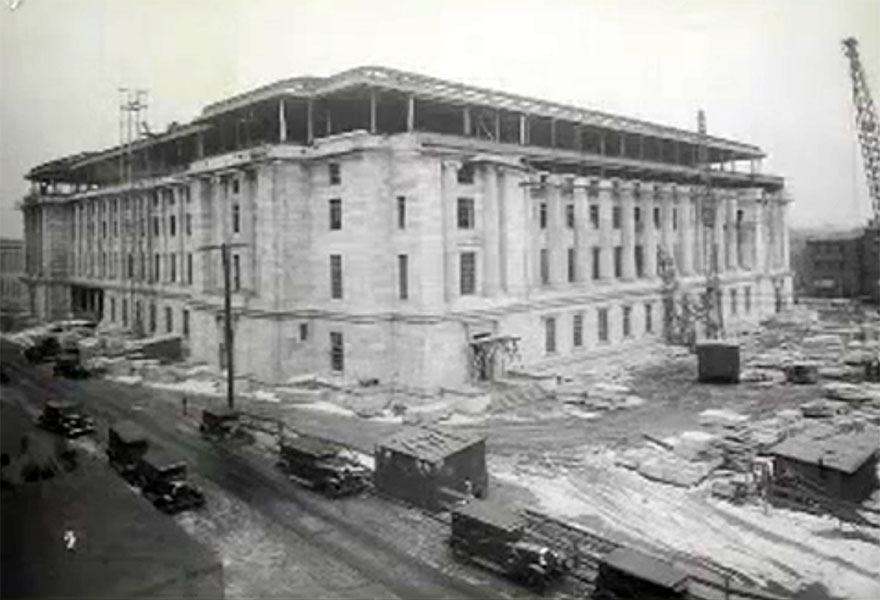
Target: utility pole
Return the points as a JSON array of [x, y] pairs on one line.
[[228, 337]]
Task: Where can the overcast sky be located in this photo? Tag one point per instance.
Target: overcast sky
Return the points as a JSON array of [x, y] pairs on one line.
[[767, 72]]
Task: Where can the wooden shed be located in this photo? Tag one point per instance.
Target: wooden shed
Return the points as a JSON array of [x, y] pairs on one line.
[[628, 573], [428, 466], [842, 464]]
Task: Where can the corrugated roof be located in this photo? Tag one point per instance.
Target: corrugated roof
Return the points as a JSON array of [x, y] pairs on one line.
[[645, 567], [843, 451], [429, 444], [492, 513]]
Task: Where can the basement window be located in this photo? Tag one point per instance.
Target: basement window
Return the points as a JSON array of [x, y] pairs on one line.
[[577, 329], [602, 330], [334, 173], [649, 317], [335, 214], [550, 335], [303, 332], [594, 216], [569, 216], [627, 321], [468, 273], [466, 213], [465, 175], [542, 215]]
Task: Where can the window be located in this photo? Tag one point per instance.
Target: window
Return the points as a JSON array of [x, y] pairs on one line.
[[303, 332], [131, 266], [236, 218], [172, 225], [235, 185], [335, 214], [545, 266], [618, 261], [157, 267], [640, 260], [465, 213], [189, 223], [335, 174], [156, 226], [593, 190], [594, 216], [569, 216], [112, 308], [649, 317], [185, 193], [169, 320], [572, 265], [403, 275], [337, 352], [172, 262], [189, 268], [597, 253], [466, 174], [577, 330], [747, 293], [627, 321], [468, 273], [153, 318], [550, 334], [637, 217], [733, 306], [125, 312], [236, 272], [542, 215], [185, 321], [336, 276], [615, 217], [675, 219], [602, 314], [401, 212], [656, 217]]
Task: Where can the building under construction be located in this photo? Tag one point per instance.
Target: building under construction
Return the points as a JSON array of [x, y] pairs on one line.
[[394, 226]]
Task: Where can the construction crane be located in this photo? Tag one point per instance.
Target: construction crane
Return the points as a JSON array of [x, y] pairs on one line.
[[866, 126]]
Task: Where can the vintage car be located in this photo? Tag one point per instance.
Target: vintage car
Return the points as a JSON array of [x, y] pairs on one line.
[[224, 424], [68, 363], [162, 477], [493, 536], [43, 349], [126, 444], [321, 466], [65, 418]]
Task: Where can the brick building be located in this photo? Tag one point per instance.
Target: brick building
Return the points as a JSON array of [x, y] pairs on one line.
[[394, 226]]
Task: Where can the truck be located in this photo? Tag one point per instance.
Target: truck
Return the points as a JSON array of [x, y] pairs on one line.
[[68, 363], [162, 478], [66, 418], [494, 537], [321, 466], [223, 424], [126, 444]]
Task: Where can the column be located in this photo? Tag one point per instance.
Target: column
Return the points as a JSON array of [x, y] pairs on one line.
[[732, 231], [667, 234], [606, 233], [700, 257], [516, 231], [686, 231], [556, 231], [718, 232], [628, 231], [760, 253], [450, 229], [649, 237], [582, 251], [491, 233], [783, 230]]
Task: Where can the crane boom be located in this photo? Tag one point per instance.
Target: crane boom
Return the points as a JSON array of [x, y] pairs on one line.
[[866, 125]]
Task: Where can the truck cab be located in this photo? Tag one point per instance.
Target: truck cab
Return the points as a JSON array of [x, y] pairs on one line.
[[319, 465], [65, 418], [162, 477], [126, 444]]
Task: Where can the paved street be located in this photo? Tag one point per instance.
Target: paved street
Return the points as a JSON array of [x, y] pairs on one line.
[[277, 539]]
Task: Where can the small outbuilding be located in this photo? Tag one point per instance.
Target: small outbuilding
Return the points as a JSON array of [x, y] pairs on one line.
[[628, 573], [718, 362], [429, 467], [842, 464]]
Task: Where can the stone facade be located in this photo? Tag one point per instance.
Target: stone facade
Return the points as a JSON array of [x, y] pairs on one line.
[[491, 245]]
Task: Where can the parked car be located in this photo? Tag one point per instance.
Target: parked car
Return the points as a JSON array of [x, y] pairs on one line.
[[492, 536], [65, 418], [42, 350], [126, 444], [162, 477], [320, 465], [224, 424], [68, 363]]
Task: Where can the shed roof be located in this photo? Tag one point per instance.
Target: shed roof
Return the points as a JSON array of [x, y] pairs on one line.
[[162, 458], [645, 567], [129, 432], [429, 444], [843, 451], [492, 513]]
